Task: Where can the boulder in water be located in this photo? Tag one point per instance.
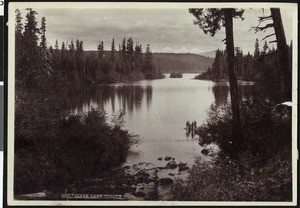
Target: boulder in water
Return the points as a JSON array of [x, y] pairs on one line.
[[160, 158], [172, 164], [166, 181], [205, 151]]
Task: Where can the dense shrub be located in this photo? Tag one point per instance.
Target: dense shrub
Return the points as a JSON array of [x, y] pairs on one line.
[[266, 127], [225, 181], [52, 150], [262, 173]]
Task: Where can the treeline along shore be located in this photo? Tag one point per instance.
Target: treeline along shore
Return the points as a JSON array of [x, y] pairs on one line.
[[261, 66], [53, 146]]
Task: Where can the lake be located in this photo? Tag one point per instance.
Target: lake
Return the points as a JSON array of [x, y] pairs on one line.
[[157, 110]]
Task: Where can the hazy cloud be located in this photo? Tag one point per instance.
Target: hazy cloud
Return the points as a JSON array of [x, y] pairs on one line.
[[162, 28]]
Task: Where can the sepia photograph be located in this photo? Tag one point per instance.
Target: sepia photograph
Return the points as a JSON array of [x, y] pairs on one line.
[[152, 103]]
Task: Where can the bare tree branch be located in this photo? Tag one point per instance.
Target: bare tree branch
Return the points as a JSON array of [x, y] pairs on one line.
[[268, 36], [265, 18], [273, 41], [264, 28]]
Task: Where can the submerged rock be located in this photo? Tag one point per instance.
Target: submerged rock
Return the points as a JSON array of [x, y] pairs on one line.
[[205, 151], [160, 158], [172, 164], [167, 158], [166, 181]]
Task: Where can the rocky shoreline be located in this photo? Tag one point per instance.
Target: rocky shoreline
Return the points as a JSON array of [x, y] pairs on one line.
[[142, 181]]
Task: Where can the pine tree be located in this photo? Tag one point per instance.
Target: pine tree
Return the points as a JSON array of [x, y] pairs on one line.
[[282, 49], [56, 45], [32, 64], [129, 46], [43, 34], [19, 45], [148, 63], [18, 24], [210, 21], [79, 58], [256, 49], [63, 56], [113, 49], [63, 47], [31, 30], [100, 50], [72, 47], [265, 48], [123, 48]]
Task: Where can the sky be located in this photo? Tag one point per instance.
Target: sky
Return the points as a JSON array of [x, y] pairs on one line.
[[166, 30]]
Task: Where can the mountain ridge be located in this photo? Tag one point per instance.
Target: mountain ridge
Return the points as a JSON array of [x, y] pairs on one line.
[[181, 62], [175, 62]]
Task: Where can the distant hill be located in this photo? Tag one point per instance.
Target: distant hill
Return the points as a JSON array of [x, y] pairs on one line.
[[181, 62], [174, 62], [211, 54]]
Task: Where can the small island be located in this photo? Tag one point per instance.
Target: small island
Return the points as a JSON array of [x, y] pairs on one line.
[[176, 75]]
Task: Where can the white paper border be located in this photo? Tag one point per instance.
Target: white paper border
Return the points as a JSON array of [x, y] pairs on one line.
[[134, 5]]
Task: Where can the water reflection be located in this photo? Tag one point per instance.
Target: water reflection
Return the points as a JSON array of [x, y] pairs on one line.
[[220, 92], [158, 110], [275, 92], [128, 98]]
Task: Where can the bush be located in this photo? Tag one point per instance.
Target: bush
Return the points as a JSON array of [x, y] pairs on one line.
[[262, 173], [74, 148], [225, 180], [266, 127]]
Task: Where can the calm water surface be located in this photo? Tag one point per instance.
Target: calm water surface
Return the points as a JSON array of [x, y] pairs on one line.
[[157, 110]]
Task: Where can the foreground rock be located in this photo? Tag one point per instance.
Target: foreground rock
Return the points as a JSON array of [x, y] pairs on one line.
[[142, 181], [128, 196], [182, 166]]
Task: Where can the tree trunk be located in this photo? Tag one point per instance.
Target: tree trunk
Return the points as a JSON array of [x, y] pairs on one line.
[[238, 139], [282, 51]]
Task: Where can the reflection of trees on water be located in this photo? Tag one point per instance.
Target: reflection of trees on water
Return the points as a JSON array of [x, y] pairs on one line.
[[220, 93], [125, 97], [149, 95], [274, 92]]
